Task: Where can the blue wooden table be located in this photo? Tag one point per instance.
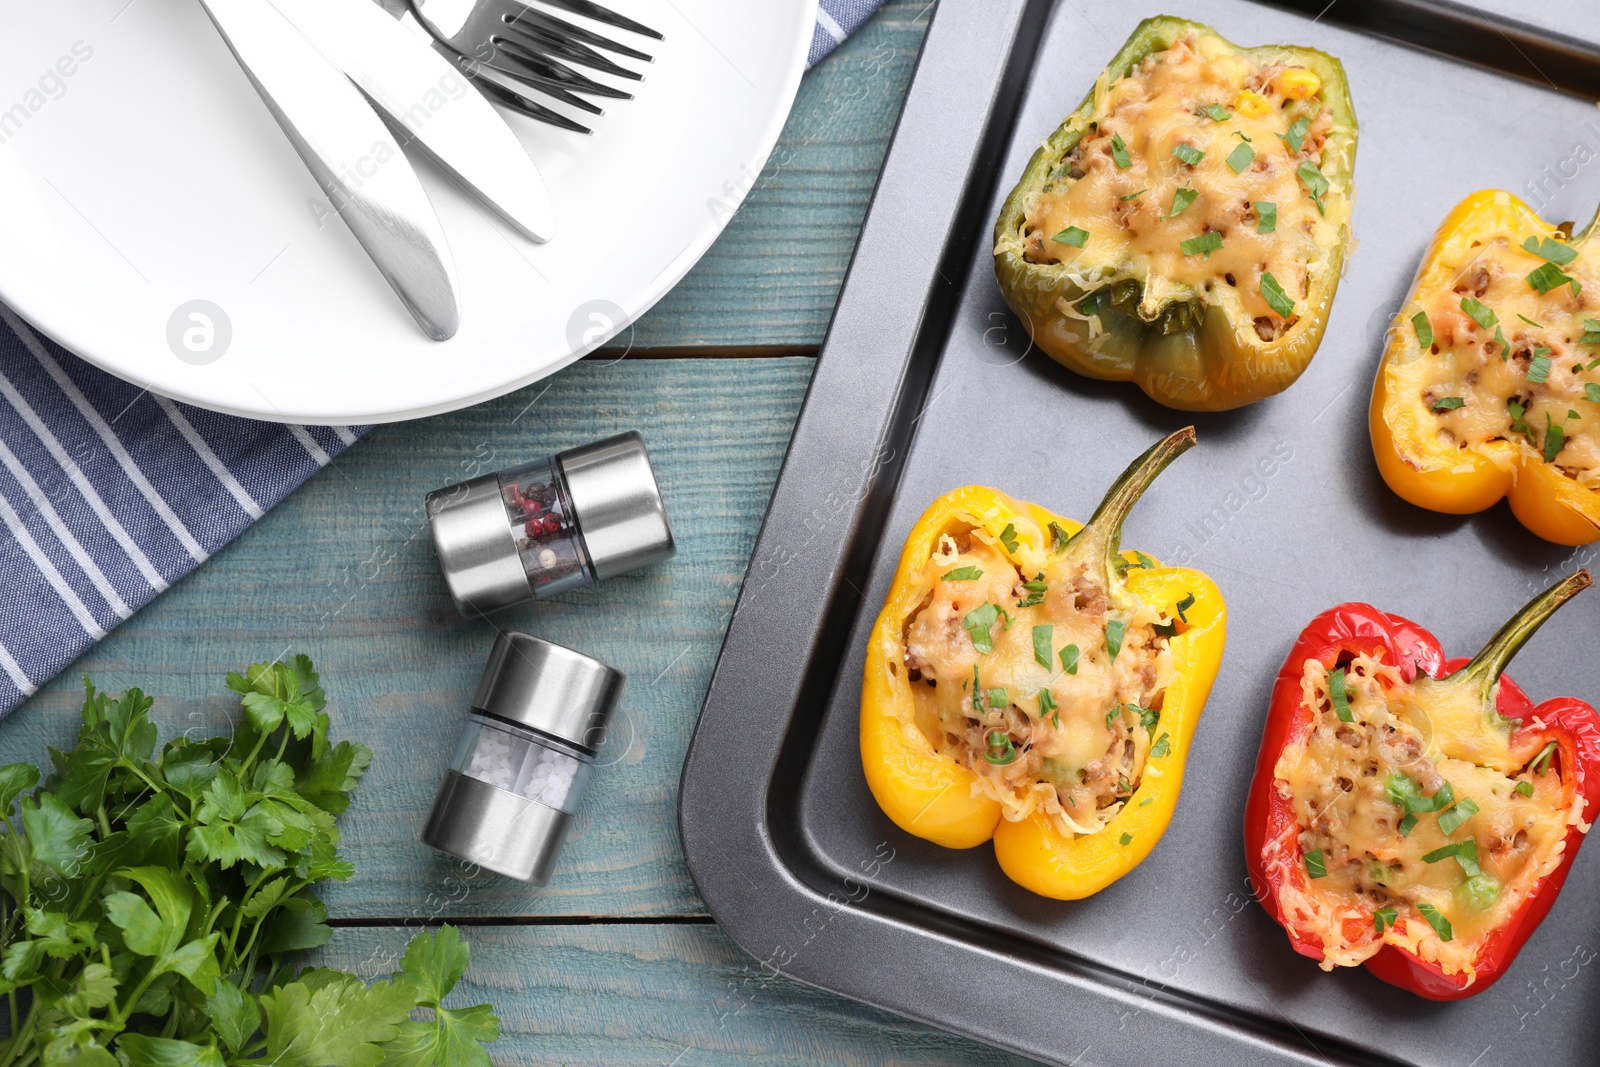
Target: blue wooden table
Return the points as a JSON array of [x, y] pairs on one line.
[[616, 961]]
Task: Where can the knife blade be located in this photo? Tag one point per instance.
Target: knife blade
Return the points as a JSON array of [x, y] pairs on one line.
[[423, 94], [351, 154]]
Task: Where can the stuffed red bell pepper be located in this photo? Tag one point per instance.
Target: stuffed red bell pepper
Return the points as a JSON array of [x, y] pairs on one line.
[[1416, 814]]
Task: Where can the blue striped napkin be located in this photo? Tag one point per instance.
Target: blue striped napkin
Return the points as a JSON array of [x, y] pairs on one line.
[[110, 493]]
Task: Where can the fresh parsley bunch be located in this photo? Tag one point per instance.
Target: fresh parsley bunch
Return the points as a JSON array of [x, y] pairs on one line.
[[150, 900]]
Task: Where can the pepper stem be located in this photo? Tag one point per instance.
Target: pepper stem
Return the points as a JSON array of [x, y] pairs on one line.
[[1486, 666], [1100, 540]]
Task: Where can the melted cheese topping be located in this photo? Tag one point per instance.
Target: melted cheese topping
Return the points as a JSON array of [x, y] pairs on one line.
[[1341, 781], [1157, 110], [1468, 362], [1078, 760]]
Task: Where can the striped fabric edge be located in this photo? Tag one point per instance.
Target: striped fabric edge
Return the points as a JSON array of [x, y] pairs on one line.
[[836, 20], [109, 494]]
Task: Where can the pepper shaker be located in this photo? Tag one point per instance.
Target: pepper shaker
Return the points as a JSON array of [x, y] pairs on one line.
[[533, 531], [523, 760]]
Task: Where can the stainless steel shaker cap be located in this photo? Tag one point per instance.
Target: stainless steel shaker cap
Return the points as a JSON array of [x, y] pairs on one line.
[[549, 688], [477, 550], [617, 504]]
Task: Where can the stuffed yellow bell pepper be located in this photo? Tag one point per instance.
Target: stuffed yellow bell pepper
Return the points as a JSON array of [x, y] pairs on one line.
[[1489, 385], [1185, 228], [1029, 683]]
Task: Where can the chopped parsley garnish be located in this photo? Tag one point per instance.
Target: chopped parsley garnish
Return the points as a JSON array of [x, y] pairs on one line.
[[1116, 629], [1184, 605], [1550, 249], [1206, 243], [1162, 747], [1296, 137], [1188, 154], [1448, 403], [1245, 137], [1090, 305], [1524, 789], [1036, 590], [1047, 707], [1384, 917], [1541, 762], [1539, 366], [1273, 294], [1315, 866], [1405, 792], [1058, 536], [1133, 196], [1505, 349], [1548, 276], [1266, 216], [1340, 695], [1451, 818], [1555, 439], [1043, 634], [1119, 152], [1591, 392], [1126, 839], [977, 624], [1113, 715], [1406, 825], [1001, 751], [1591, 332], [1517, 425], [977, 690], [1440, 924], [1072, 235], [962, 574], [1241, 157], [1069, 659], [1008, 537], [1424, 327], [1316, 184], [1529, 321], [1465, 853], [1482, 315], [1215, 112], [1181, 199], [999, 697], [1144, 561]]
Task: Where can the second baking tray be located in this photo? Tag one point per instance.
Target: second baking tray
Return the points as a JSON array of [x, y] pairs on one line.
[[927, 382]]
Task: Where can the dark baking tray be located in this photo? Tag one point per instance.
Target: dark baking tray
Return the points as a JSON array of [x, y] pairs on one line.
[[926, 382]]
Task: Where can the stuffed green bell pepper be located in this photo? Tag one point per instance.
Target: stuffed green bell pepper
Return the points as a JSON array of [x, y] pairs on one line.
[[1186, 227]]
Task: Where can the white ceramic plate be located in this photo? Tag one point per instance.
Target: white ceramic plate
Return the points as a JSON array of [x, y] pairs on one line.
[[139, 172]]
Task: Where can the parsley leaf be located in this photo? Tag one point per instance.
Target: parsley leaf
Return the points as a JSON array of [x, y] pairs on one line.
[[1042, 635], [1119, 152], [1058, 536], [978, 623], [329, 1017], [962, 574], [1206, 243], [1116, 629], [1339, 696], [1008, 537], [1276, 298], [1188, 154], [1424, 329], [1448, 403], [1296, 136], [1215, 112], [1162, 747], [1451, 818], [1133, 196], [1266, 216], [1316, 184], [1069, 659], [1316, 867], [1241, 157], [1184, 605], [1549, 248], [1072, 235], [1440, 924], [1539, 365], [1548, 276], [1480, 314], [1555, 439], [1181, 198], [1384, 917]]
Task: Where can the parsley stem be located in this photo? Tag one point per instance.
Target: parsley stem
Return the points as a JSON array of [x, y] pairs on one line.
[[1100, 541], [1485, 669]]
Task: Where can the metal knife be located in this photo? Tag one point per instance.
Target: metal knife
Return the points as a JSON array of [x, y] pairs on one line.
[[426, 97], [352, 156]]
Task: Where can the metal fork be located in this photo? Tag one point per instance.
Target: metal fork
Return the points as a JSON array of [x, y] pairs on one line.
[[532, 47]]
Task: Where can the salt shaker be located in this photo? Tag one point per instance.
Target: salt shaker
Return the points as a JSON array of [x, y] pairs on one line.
[[523, 759], [530, 532]]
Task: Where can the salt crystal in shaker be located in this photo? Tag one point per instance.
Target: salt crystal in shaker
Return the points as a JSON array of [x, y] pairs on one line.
[[523, 760], [534, 531]]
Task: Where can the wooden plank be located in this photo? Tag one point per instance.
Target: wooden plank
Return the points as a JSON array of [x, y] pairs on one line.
[[678, 995], [774, 274], [344, 571]]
